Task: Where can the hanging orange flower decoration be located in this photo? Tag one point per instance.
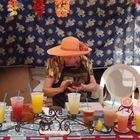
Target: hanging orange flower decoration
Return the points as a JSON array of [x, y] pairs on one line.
[[38, 7], [62, 7], [12, 7], [135, 1]]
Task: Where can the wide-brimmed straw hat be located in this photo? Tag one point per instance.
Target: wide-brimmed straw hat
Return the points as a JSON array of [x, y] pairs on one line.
[[70, 46]]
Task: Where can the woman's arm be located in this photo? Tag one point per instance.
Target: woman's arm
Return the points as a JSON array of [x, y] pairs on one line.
[[91, 87], [50, 91]]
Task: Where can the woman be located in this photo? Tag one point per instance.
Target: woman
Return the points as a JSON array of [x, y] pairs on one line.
[[70, 71]]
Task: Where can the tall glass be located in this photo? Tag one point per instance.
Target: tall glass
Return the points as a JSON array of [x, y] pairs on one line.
[[2, 111], [109, 116], [122, 119], [37, 102], [74, 103], [137, 120], [87, 112], [17, 106]]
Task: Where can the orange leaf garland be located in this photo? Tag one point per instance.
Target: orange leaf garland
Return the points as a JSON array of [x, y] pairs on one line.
[[62, 7], [136, 1], [12, 7]]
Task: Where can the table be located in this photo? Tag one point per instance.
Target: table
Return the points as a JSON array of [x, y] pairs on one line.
[[26, 134]]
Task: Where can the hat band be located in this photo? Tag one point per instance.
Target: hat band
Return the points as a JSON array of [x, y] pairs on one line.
[[70, 49]]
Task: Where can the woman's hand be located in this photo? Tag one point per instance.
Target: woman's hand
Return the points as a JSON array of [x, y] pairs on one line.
[[77, 87], [65, 84], [71, 89]]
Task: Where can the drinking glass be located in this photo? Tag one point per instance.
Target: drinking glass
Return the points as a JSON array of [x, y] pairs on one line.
[[17, 106]]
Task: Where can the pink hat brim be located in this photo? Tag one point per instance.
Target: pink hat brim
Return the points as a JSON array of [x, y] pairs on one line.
[[59, 52]]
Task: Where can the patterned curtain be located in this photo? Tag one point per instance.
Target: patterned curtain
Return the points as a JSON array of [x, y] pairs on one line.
[[110, 27]]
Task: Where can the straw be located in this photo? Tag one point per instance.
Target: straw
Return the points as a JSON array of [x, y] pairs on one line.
[[87, 103], [30, 89], [113, 103], [138, 104], [121, 106], [133, 88], [4, 99], [76, 93], [18, 94]]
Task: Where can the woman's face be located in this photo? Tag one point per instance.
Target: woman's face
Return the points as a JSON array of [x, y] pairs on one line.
[[72, 60]]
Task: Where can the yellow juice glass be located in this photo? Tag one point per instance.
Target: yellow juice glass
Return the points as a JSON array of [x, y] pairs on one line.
[[137, 120], [37, 102], [74, 103], [2, 111]]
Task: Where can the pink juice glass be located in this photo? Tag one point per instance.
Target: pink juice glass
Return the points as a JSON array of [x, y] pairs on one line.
[[109, 116], [122, 119], [17, 106]]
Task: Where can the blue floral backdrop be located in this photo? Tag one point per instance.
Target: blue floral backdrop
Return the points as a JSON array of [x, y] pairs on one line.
[[110, 27]]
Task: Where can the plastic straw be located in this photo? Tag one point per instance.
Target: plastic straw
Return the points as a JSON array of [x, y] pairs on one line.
[[76, 93], [4, 99], [30, 89], [113, 103], [87, 103], [121, 106], [133, 88], [18, 96], [18, 93]]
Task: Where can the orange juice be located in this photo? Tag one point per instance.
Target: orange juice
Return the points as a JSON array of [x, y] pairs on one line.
[[2, 111], [137, 120], [122, 119], [37, 102]]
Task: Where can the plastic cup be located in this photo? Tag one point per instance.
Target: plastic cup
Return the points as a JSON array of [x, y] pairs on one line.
[[74, 103], [109, 116], [122, 119], [87, 113], [37, 102], [137, 120], [17, 106], [2, 111]]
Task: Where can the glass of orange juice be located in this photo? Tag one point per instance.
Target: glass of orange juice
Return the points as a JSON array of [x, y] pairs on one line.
[[37, 102], [2, 111], [137, 120]]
